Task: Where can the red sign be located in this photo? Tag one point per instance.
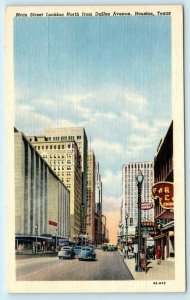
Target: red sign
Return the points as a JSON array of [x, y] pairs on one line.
[[165, 192], [52, 223], [146, 205]]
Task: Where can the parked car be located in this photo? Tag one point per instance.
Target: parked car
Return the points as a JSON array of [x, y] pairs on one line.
[[66, 252], [87, 253], [105, 247], [77, 249], [111, 247]]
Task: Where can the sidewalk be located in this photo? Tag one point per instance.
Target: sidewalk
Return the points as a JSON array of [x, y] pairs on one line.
[[165, 271], [30, 253]]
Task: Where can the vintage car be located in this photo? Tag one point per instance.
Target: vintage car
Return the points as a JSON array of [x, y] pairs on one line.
[[77, 249], [87, 253], [111, 247], [66, 252]]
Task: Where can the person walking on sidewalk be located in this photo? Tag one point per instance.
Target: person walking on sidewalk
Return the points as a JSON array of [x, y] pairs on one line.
[[158, 255], [126, 250]]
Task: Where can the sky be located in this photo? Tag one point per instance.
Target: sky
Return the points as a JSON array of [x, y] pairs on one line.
[[110, 75]]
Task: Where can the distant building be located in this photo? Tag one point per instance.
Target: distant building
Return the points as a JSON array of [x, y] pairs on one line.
[[42, 201], [129, 219], [65, 160], [164, 218], [78, 135], [90, 217], [98, 204]]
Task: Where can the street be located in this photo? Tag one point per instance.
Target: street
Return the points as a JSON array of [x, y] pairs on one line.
[[108, 266]]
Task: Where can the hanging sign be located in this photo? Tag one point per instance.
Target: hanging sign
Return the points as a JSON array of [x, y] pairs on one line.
[[165, 193], [146, 205]]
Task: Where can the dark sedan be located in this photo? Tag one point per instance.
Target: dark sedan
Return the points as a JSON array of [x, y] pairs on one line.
[[87, 253]]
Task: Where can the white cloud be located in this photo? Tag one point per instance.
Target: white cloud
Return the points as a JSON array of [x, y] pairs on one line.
[[31, 122], [135, 99], [104, 146]]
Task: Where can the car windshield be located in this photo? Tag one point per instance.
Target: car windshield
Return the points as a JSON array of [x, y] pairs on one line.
[[86, 249]]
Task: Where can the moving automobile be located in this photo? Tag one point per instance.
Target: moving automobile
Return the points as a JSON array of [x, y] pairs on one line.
[[87, 253], [111, 247], [77, 249], [66, 252]]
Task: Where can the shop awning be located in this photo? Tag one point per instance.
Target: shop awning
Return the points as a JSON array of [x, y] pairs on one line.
[[168, 226], [166, 215], [27, 236], [160, 236]]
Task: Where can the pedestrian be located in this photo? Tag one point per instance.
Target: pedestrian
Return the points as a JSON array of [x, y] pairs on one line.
[[135, 251], [126, 250], [158, 255]]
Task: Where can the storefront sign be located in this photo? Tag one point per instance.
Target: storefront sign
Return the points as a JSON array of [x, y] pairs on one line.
[[146, 205], [164, 191], [52, 223]]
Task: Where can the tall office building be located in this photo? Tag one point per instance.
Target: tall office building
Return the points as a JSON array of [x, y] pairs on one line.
[[78, 135], [130, 195], [90, 217], [98, 203], [65, 160]]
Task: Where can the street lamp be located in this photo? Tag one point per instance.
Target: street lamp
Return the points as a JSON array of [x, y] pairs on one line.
[[55, 239], [36, 230], [139, 181], [126, 227]]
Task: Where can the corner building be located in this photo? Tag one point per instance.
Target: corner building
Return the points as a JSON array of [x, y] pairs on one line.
[[41, 198], [164, 218], [65, 160], [78, 135]]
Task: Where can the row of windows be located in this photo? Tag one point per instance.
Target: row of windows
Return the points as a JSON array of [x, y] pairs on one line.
[[61, 168], [63, 138], [137, 166], [53, 147]]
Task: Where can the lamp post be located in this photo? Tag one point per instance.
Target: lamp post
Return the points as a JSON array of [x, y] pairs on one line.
[[139, 181], [55, 239], [36, 231], [126, 227]]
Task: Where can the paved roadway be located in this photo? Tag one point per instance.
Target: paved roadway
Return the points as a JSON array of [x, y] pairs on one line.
[[108, 266]]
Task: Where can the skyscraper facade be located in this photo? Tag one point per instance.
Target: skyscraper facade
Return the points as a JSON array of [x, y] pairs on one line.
[[98, 203], [130, 195], [65, 160], [90, 217], [78, 135]]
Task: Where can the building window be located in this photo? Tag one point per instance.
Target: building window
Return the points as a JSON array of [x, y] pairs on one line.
[[46, 147], [50, 147], [42, 147], [54, 146], [58, 146], [38, 147]]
